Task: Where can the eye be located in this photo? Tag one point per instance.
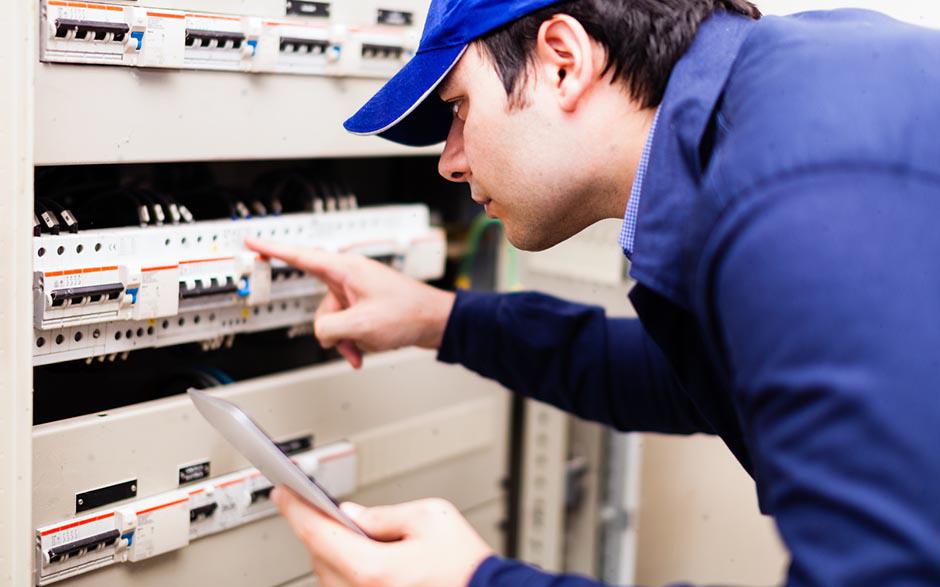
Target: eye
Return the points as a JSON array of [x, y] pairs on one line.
[[459, 107]]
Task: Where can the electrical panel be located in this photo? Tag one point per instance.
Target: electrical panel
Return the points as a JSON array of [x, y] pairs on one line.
[[103, 293], [162, 523], [228, 127], [163, 480], [301, 37]]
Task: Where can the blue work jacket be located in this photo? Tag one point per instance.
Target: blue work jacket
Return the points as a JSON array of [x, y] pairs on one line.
[[787, 261]]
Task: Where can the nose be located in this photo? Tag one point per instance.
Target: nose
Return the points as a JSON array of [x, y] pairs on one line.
[[453, 165]]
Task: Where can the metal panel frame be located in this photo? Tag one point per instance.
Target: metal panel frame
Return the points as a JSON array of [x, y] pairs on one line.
[[595, 538], [17, 60]]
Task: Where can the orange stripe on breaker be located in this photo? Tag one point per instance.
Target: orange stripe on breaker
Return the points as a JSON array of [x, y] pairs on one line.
[[215, 17], [160, 507], [77, 524], [160, 268], [165, 15], [78, 271], [338, 455], [100, 7], [296, 24], [196, 492], [232, 482], [191, 261], [57, 3]]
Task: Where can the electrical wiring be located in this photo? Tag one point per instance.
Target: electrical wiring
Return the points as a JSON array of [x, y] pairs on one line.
[[65, 216], [99, 215], [219, 375], [294, 192], [47, 217], [478, 228], [208, 203]]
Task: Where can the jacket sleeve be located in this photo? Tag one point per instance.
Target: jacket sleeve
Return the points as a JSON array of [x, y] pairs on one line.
[[571, 356], [827, 295], [500, 572]]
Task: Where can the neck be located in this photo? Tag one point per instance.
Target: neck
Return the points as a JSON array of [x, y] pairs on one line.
[[633, 131]]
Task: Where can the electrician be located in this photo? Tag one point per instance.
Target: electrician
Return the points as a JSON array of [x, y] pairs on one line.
[[779, 181]]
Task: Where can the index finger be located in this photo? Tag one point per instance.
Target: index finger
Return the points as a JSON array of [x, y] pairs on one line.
[[326, 266]]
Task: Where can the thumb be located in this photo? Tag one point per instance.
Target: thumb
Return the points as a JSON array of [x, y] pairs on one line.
[[353, 510], [384, 523], [333, 327]]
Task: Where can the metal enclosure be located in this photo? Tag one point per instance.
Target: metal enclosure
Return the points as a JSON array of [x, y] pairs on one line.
[[420, 428]]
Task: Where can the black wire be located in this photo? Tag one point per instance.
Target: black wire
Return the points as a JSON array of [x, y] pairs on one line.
[[101, 216]]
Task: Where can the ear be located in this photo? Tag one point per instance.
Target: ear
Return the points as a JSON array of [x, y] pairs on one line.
[[566, 57]]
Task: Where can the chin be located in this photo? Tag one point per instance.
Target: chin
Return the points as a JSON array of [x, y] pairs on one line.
[[541, 232], [532, 241]]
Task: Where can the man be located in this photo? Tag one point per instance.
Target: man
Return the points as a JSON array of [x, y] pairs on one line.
[[780, 185]]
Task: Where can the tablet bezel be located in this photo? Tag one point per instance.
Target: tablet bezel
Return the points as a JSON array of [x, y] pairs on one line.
[[256, 445]]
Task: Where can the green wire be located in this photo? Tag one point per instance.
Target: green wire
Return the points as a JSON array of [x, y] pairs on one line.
[[477, 228]]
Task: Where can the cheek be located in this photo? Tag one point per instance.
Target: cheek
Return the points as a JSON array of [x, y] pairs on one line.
[[498, 152]]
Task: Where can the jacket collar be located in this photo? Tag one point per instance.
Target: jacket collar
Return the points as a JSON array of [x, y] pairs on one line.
[[663, 248]]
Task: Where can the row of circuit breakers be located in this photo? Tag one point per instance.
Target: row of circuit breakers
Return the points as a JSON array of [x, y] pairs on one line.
[[152, 526], [99, 294], [306, 38]]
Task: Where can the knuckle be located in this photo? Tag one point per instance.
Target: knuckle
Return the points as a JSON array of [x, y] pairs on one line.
[[440, 504], [370, 575], [434, 506]]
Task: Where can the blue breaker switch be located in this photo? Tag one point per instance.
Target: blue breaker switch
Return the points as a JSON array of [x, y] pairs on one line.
[[254, 46], [244, 287], [139, 36], [133, 293], [333, 53]]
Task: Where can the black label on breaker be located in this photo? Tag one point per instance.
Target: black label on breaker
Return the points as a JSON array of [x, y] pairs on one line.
[[395, 17], [88, 500], [292, 446], [308, 8], [195, 472]]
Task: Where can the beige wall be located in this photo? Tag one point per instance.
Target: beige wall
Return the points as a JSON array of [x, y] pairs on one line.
[[698, 517]]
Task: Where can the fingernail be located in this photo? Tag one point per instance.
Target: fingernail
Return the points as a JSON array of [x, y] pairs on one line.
[[276, 496], [353, 510]]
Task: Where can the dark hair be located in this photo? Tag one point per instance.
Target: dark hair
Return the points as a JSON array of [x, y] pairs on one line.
[[643, 39]]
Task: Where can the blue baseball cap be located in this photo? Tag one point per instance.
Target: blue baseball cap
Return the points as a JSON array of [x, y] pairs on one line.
[[407, 110]]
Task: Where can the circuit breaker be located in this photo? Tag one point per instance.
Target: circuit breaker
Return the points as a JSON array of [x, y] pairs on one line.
[[162, 523], [299, 37], [106, 292]]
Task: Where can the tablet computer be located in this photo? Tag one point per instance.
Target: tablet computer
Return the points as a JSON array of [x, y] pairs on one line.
[[256, 446]]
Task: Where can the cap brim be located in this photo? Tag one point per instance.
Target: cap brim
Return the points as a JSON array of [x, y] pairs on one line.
[[406, 110]]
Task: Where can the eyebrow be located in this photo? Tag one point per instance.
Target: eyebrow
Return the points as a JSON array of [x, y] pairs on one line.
[[442, 90], [445, 86]]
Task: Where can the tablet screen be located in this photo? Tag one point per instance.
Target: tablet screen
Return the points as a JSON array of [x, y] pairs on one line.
[[256, 446]]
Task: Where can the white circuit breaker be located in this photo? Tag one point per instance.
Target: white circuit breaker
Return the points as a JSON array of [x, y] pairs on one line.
[[306, 38], [98, 293], [162, 523]]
